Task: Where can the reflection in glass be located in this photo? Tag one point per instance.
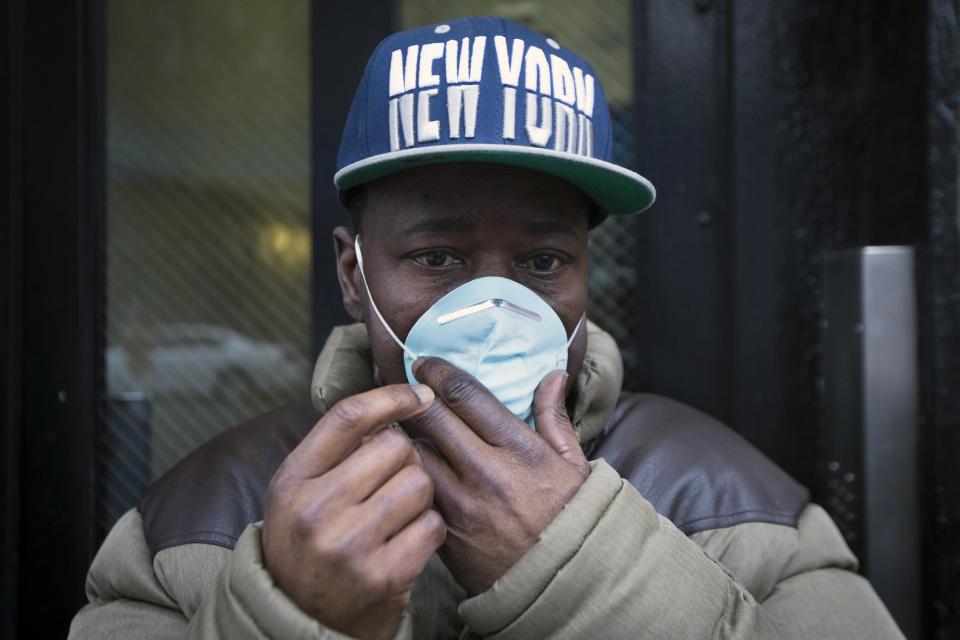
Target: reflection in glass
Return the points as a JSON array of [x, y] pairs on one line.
[[208, 242]]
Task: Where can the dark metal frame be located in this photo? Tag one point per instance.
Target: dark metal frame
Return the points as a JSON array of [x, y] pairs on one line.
[[10, 329], [53, 341], [940, 331], [337, 63], [684, 146]]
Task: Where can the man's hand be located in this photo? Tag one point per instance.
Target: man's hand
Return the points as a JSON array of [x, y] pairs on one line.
[[348, 525], [498, 484]]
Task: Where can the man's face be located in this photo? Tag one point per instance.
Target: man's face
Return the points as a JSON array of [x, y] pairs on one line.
[[428, 230]]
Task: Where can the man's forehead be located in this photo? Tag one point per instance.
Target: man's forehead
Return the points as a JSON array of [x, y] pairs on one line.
[[458, 197], [464, 199], [434, 222]]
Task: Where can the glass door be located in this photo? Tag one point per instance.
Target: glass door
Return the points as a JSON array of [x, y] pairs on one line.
[[208, 246]]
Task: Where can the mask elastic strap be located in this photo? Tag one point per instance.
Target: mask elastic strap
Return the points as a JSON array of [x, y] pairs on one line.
[[356, 247], [573, 335], [576, 329]]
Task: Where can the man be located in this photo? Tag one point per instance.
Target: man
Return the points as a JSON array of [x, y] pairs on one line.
[[534, 498]]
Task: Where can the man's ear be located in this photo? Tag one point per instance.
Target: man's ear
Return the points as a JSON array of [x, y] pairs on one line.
[[348, 273]]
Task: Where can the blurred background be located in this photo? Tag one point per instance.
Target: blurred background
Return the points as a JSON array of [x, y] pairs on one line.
[[168, 269]]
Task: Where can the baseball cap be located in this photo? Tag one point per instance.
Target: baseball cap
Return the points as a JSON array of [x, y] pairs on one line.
[[485, 89]]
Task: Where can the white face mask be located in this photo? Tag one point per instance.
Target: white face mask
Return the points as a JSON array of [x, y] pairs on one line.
[[495, 329]]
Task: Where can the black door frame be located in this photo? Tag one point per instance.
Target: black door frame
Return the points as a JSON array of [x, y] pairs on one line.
[[53, 76], [337, 63]]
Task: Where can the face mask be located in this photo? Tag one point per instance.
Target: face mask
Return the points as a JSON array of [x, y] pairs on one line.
[[495, 329]]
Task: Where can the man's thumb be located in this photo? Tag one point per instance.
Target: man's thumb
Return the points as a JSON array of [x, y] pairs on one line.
[[553, 423]]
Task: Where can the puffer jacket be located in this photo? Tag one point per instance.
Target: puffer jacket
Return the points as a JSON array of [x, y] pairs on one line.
[[681, 530]]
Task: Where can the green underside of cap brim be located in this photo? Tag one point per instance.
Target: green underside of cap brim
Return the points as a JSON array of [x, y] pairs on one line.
[[617, 191]]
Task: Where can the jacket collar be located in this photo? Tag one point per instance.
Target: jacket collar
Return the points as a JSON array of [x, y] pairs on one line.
[[345, 367]]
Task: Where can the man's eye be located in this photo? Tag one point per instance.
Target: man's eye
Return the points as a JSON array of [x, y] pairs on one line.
[[435, 259], [545, 262]]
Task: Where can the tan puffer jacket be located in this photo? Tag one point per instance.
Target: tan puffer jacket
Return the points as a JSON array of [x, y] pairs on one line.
[[682, 530]]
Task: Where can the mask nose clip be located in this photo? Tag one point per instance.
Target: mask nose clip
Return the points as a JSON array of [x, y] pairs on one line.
[[492, 303]]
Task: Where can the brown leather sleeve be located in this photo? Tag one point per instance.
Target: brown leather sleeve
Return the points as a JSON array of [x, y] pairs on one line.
[[693, 469], [215, 492]]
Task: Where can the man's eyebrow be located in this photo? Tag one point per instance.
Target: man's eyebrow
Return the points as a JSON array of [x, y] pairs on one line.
[[440, 225], [547, 226]]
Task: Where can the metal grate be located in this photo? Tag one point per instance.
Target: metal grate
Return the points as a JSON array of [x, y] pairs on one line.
[[208, 245], [600, 31], [614, 282]]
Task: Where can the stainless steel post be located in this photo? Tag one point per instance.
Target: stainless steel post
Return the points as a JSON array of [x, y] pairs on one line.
[[871, 418]]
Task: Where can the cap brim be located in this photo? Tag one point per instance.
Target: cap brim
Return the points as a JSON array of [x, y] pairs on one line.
[[618, 191]]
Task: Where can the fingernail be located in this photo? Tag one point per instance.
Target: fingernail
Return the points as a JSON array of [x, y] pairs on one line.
[[416, 365], [424, 393], [562, 391], [420, 443]]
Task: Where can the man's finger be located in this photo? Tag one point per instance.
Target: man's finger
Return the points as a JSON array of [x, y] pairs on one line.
[[455, 440], [472, 401], [340, 431], [446, 485], [407, 553], [398, 502], [553, 423], [371, 465]]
